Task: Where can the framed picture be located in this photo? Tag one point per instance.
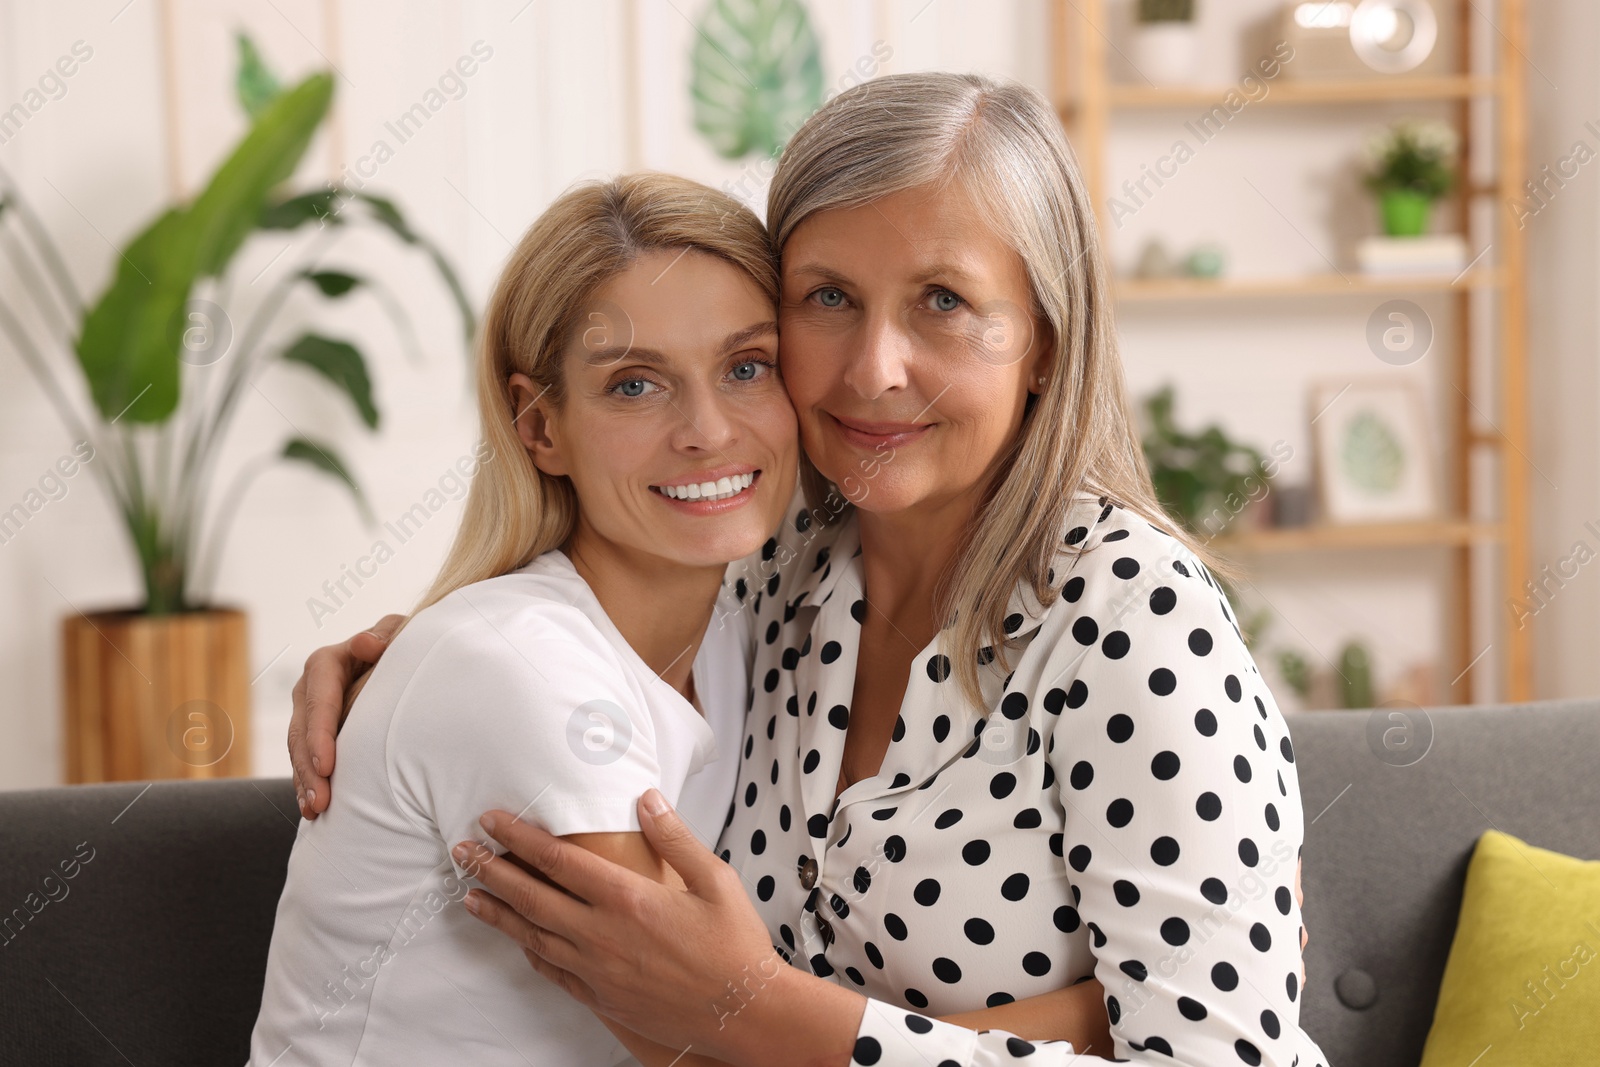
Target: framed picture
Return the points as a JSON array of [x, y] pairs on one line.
[[1374, 458]]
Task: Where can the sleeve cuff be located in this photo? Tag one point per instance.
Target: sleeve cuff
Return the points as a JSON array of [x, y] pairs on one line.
[[891, 1036], [591, 815]]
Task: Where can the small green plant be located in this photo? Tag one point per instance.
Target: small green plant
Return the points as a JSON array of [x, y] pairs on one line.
[[1296, 672], [1355, 677], [164, 367], [1353, 683], [1166, 11], [1202, 479], [1414, 157]]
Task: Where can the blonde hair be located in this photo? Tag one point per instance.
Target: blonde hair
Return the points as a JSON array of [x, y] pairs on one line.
[[1003, 144], [515, 512]]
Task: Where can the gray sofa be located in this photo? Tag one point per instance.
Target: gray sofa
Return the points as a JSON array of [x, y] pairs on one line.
[[152, 950]]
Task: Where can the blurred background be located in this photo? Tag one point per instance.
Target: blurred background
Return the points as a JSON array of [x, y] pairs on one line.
[[243, 243]]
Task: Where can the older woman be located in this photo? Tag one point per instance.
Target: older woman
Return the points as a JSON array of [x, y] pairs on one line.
[[1004, 734]]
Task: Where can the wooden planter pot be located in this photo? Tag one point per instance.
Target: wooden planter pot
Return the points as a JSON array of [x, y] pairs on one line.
[[156, 696]]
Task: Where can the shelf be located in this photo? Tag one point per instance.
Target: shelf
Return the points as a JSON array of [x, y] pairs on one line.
[[1491, 69], [1318, 537], [1366, 90], [1150, 289]]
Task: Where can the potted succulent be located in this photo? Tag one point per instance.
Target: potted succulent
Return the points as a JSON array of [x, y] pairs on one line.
[[1166, 43], [1410, 166], [1347, 684], [161, 688]]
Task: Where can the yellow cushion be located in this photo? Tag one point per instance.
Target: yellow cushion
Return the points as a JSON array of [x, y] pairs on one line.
[[1523, 980]]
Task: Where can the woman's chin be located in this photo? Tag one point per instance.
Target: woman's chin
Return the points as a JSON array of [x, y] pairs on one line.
[[712, 548]]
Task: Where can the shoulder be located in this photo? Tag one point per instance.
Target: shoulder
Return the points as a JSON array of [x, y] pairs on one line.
[[522, 630], [800, 548], [1124, 562], [1120, 576]]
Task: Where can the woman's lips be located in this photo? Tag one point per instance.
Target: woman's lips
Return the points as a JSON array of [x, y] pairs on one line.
[[866, 434]]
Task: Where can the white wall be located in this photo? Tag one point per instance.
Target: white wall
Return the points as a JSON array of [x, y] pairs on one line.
[[1564, 336], [570, 93]]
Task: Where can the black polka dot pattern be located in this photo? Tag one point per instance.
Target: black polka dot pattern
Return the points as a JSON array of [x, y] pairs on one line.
[[1124, 806]]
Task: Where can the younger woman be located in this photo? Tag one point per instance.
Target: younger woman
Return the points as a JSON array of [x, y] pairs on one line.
[[637, 440]]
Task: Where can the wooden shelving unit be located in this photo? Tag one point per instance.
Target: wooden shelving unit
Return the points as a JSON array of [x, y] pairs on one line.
[[1307, 285], [1329, 538], [1458, 87], [1088, 101]]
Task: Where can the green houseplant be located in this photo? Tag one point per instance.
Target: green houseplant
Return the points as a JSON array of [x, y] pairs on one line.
[[1410, 166], [1166, 43], [1203, 479], [1166, 11], [1351, 678], [165, 374]]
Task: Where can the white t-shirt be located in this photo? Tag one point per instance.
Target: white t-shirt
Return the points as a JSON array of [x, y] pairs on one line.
[[515, 693]]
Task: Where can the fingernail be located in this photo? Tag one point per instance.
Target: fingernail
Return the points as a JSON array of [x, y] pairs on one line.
[[486, 820], [654, 802], [316, 764], [311, 796], [461, 852], [471, 901]]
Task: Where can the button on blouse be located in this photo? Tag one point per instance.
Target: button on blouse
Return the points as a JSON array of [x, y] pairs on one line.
[[1123, 805]]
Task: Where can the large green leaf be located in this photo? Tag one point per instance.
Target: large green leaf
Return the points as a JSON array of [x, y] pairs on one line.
[[299, 210], [129, 344], [756, 74], [341, 364], [232, 202], [321, 456], [386, 212]]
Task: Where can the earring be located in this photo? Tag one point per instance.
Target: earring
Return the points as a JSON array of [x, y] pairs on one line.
[[1041, 381]]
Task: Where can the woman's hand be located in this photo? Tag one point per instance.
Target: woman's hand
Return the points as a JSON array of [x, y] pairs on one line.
[[320, 705], [691, 969], [1300, 902], [1076, 1014]]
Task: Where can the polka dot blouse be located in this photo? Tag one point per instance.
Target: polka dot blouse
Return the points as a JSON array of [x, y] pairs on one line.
[[1123, 806]]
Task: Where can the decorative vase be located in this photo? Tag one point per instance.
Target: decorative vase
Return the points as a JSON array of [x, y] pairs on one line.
[[1405, 213], [156, 696], [1165, 52]]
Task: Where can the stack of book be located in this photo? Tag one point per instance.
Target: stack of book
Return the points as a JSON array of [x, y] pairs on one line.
[[1441, 253]]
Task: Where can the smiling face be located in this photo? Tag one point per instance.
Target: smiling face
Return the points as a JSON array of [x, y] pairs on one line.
[[908, 348], [673, 426]]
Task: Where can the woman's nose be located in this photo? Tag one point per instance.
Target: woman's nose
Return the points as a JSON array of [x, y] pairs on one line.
[[878, 359], [707, 422]]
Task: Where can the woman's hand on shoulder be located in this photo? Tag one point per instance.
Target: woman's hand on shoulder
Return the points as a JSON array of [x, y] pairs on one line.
[[322, 699], [680, 967]]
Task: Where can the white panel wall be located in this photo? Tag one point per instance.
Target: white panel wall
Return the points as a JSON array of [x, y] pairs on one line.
[[570, 91]]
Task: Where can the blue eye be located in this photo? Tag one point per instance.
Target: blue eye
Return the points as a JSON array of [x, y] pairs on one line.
[[746, 372], [829, 297], [945, 300], [633, 388]]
